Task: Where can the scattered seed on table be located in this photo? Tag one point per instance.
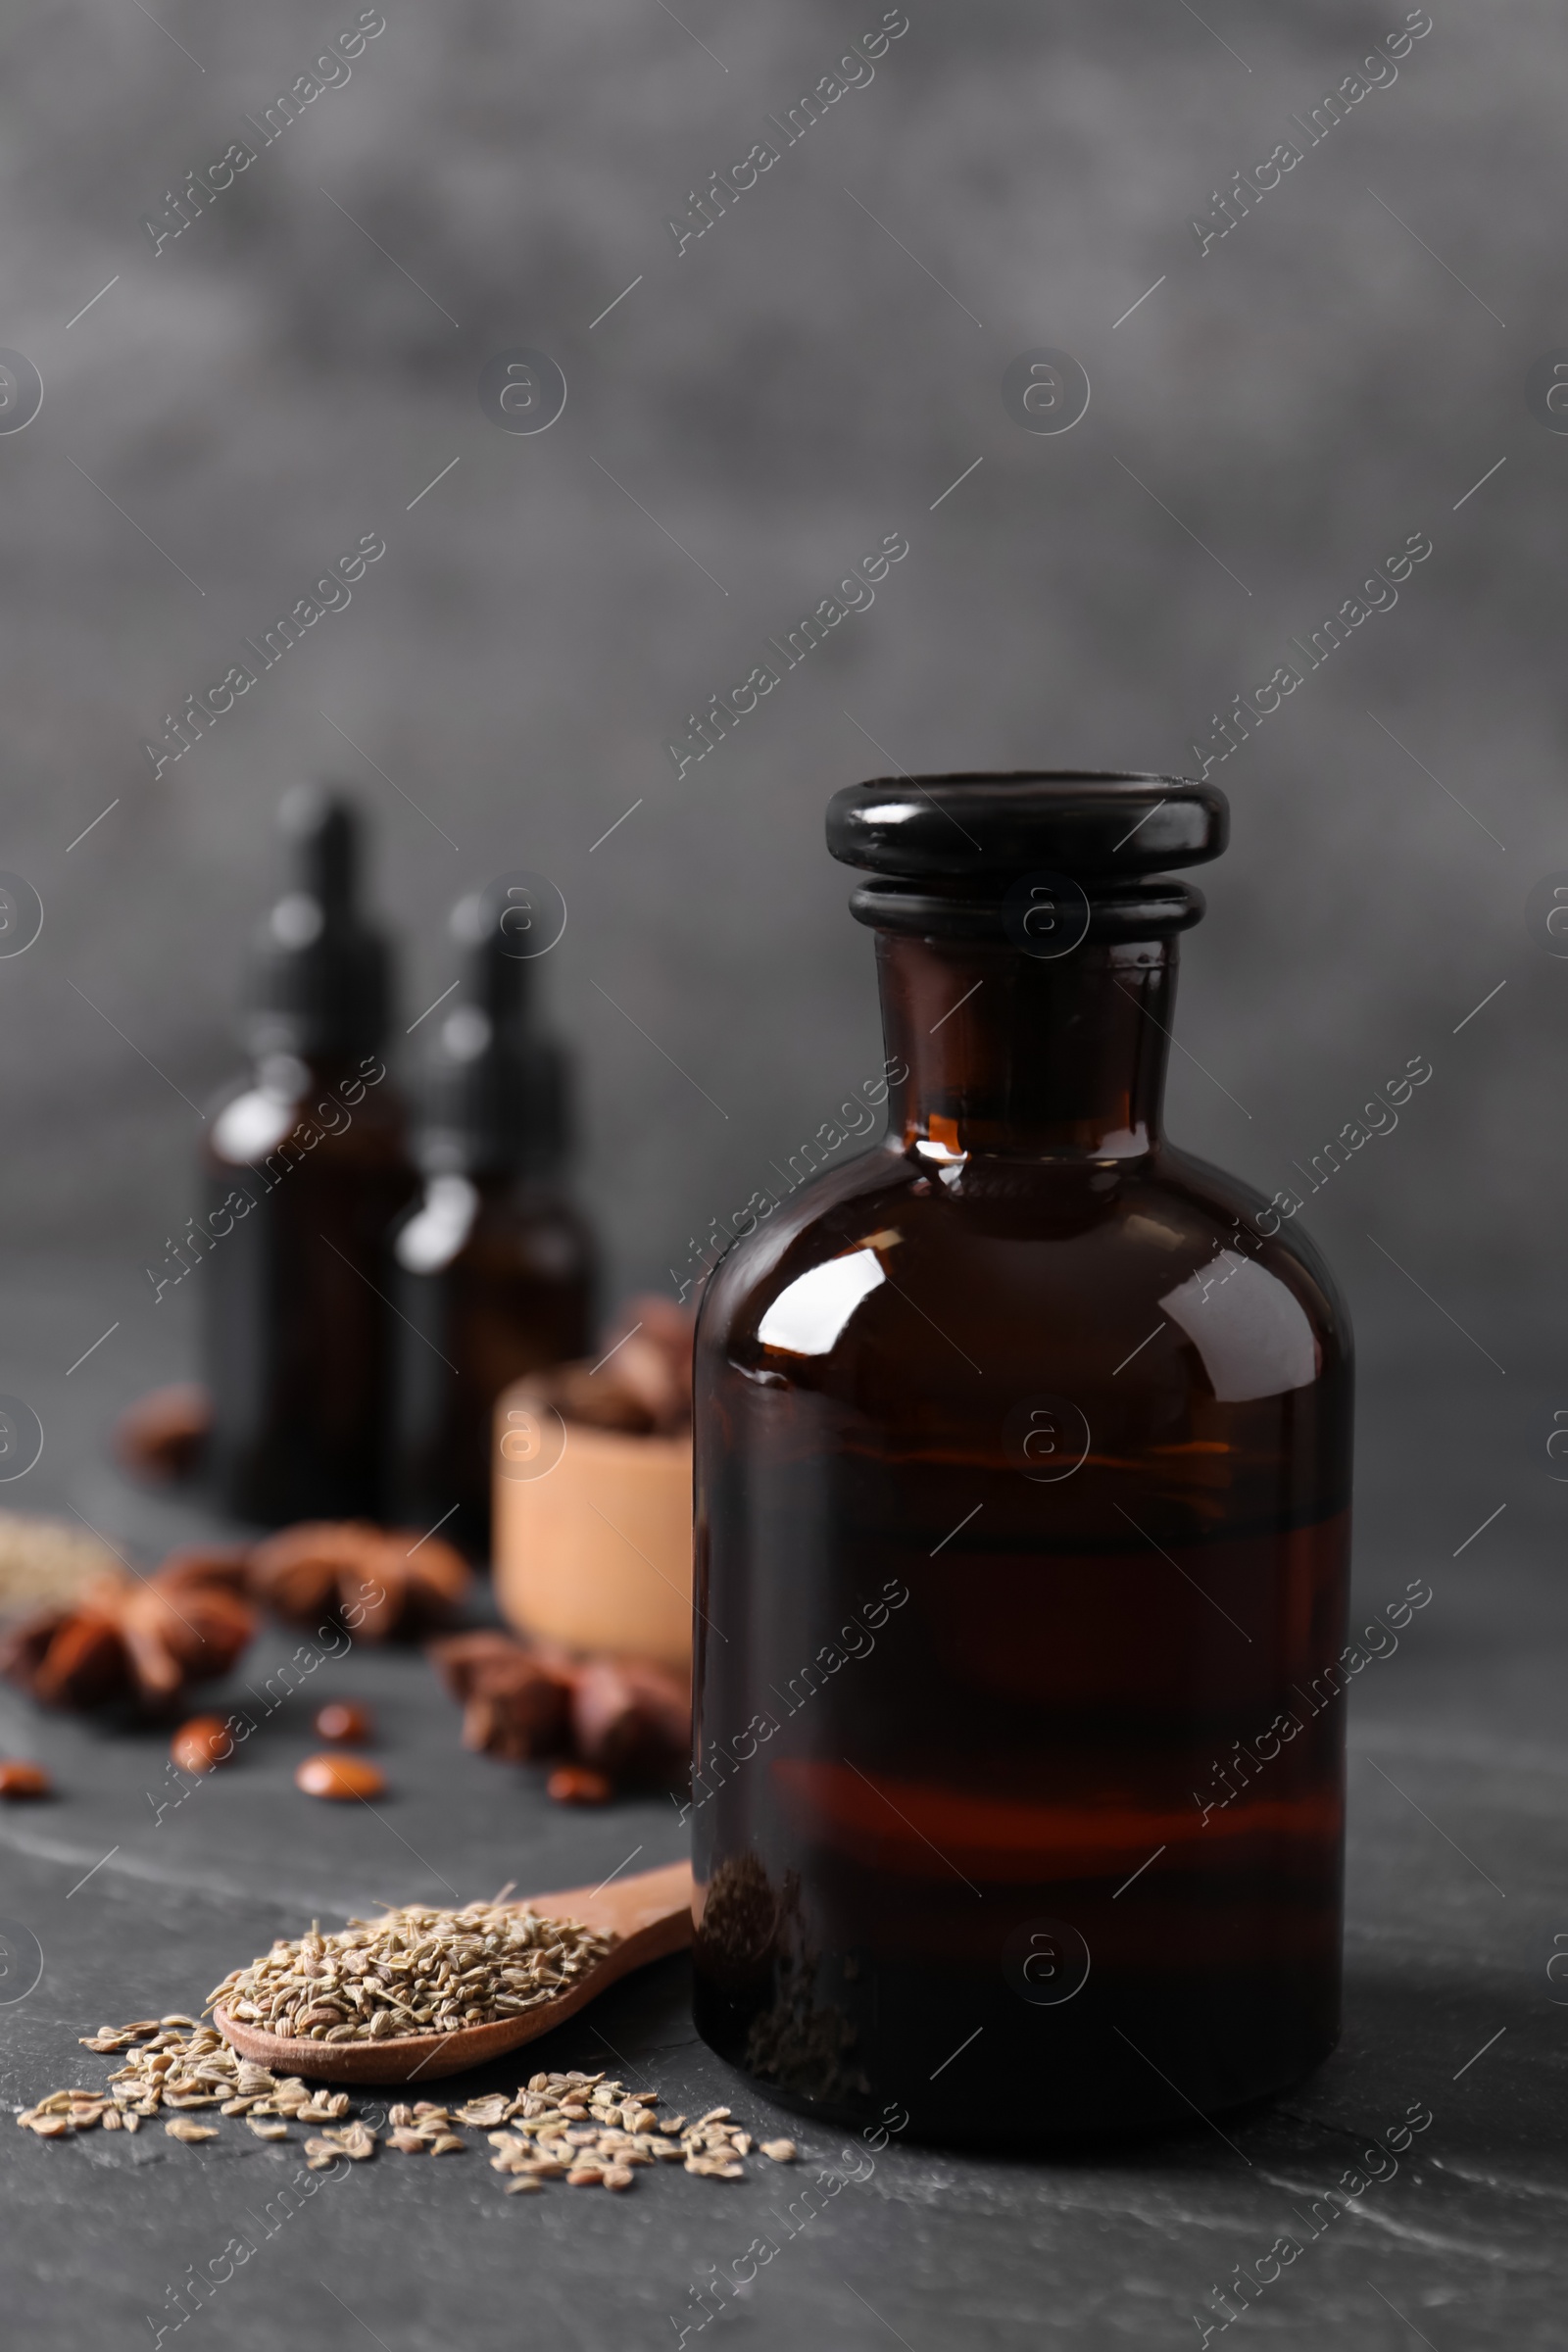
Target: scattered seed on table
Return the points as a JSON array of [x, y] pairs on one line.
[[576, 2126], [578, 1785], [340, 1777], [340, 1720], [203, 1743]]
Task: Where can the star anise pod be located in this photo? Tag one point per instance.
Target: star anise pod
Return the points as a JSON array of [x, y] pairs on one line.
[[642, 1386], [161, 1437], [374, 1580], [631, 1718], [515, 1705], [149, 1637], [626, 1717]]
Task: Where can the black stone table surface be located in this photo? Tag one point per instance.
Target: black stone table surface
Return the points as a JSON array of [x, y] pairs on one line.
[[1455, 2009]]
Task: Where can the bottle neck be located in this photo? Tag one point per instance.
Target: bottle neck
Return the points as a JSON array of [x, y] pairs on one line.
[[294, 1076], [1017, 1057], [495, 1174]]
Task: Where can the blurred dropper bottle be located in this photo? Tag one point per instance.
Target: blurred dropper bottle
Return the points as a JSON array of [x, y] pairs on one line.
[[495, 1266], [307, 1166]]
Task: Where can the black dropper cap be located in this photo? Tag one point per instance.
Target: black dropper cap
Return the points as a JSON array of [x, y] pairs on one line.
[[320, 984], [497, 1097]]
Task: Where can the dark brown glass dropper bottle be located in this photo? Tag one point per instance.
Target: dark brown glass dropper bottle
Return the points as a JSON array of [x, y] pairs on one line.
[[1024, 1459], [494, 1266], [306, 1167]]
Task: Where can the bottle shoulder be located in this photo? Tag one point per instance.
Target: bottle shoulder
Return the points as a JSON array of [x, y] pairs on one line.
[[496, 1228], [812, 1223], [996, 1254], [288, 1109], [1287, 1249]]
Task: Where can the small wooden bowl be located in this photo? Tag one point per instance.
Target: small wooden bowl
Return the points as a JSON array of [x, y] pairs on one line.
[[592, 1534]]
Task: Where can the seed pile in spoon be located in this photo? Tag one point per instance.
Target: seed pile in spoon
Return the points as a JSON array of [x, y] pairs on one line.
[[413, 1971]]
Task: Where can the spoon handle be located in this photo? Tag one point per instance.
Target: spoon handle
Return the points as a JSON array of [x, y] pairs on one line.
[[652, 1910]]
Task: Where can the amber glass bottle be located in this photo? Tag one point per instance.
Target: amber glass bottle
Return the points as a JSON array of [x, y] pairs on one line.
[[1024, 1462], [495, 1266], [306, 1166]]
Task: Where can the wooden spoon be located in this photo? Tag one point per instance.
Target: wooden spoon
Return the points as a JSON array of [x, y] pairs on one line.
[[650, 1915]]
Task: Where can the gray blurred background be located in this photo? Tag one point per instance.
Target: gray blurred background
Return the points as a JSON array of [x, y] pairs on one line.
[[756, 414]]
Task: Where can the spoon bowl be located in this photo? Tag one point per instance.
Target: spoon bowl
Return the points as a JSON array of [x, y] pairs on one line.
[[650, 1917]]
